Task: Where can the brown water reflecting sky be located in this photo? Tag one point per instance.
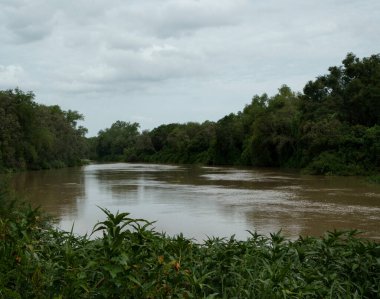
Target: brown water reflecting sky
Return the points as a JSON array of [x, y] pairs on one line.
[[206, 201]]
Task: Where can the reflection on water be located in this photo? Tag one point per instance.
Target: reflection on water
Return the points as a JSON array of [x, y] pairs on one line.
[[56, 191], [205, 201]]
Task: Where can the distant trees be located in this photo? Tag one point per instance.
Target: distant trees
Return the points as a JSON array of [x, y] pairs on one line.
[[273, 123], [340, 121], [227, 143], [332, 127], [34, 136], [175, 143], [349, 93], [118, 142]]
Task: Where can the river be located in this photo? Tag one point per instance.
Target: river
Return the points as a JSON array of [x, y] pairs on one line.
[[205, 201]]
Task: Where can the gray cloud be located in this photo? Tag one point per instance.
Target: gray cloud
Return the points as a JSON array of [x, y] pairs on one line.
[[174, 60], [177, 18], [26, 21]]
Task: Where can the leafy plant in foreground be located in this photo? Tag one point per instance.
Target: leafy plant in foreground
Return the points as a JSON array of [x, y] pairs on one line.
[[131, 260]]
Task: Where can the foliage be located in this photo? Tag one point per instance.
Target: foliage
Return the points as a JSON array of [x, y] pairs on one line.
[[179, 143], [115, 143], [273, 134], [34, 136], [228, 141], [350, 93], [333, 127], [131, 260], [375, 179]]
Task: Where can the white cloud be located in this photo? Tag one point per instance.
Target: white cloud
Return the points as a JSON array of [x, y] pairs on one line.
[[12, 76]]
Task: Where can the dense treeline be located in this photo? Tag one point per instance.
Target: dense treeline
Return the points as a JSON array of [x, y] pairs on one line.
[[34, 136], [131, 260], [333, 127]]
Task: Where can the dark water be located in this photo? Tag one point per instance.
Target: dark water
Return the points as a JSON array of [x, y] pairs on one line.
[[206, 201]]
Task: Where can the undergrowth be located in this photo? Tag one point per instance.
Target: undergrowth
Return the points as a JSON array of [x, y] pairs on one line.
[[131, 260]]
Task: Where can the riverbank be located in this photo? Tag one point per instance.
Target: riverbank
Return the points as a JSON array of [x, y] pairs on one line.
[[131, 260], [374, 179]]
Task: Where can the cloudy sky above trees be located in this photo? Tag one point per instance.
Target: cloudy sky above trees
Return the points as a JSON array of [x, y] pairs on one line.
[[156, 62]]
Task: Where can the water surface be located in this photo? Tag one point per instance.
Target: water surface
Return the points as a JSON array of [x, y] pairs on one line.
[[205, 201]]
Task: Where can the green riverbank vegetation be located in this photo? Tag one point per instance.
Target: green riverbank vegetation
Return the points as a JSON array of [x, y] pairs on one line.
[[129, 259], [333, 127], [34, 136]]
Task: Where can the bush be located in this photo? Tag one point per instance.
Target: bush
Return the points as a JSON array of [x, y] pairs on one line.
[[329, 163], [131, 260]]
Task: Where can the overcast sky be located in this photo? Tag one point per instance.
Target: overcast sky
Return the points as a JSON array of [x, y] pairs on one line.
[[163, 61]]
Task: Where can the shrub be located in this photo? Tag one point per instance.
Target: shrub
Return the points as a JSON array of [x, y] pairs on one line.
[[131, 260]]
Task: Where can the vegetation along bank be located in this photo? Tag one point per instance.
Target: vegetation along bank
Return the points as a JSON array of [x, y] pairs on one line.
[[332, 127], [131, 260]]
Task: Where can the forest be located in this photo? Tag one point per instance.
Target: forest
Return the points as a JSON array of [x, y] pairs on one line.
[[34, 136], [332, 127]]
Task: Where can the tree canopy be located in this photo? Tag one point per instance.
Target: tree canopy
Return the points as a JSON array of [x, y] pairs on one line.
[[333, 127], [34, 136]]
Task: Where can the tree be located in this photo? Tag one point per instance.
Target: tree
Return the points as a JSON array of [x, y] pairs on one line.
[[34, 136], [116, 142], [273, 135], [228, 142], [338, 110], [351, 92]]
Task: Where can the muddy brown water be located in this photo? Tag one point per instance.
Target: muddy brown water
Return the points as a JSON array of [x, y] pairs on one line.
[[205, 201]]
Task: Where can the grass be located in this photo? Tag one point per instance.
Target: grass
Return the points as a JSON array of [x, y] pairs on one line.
[[131, 260]]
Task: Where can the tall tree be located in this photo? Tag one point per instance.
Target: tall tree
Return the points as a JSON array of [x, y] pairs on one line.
[[113, 143], [34, 136]]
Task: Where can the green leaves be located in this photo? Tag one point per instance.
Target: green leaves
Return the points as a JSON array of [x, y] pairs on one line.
[[112, 143], [131, 260], [332, 128], [120, 228], [34, 136]]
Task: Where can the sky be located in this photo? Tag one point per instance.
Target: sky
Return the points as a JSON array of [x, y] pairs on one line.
[[162, 61]]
